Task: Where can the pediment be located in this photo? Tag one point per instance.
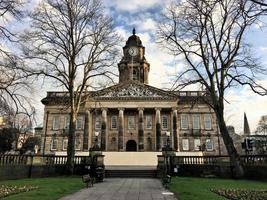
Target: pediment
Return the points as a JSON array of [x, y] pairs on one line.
[[134, 90]]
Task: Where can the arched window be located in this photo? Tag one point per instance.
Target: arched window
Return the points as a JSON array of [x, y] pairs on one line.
[[135, 74]]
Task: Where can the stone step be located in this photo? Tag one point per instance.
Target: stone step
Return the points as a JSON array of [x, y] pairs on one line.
[[130, 173]]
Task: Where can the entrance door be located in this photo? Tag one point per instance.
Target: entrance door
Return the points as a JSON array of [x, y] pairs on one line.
[[131, 145]]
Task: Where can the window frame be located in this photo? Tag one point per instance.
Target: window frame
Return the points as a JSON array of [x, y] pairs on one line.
[[135, 75], [183, 146], [196, 148], [54, 122], [167, 122], [207, 116], [98, 122], [212, 145], [64, 148], [134, 122], [193, 122], [80, 119], [151, 120], [52, 144], [187, 124], [116, 122]]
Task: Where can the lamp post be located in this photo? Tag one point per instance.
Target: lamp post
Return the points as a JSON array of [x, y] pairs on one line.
[[168, 140], [167, 152], [97, 160], [96, 146]]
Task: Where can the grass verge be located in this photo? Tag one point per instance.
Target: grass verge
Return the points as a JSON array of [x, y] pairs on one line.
[[188, 188], [48, 188]]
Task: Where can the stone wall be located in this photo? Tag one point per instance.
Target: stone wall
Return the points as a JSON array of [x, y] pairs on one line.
[[35, 171]]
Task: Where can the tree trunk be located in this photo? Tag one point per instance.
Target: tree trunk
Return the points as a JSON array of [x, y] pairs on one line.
[[238, 170], [71, 143]]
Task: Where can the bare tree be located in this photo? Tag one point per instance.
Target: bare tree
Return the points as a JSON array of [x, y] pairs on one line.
[[72, 42], [262, 125], [209, 35], [13, 82], [261, 3]]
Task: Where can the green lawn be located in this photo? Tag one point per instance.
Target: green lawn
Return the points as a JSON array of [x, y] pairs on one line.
[[48, 188], [187, 188]]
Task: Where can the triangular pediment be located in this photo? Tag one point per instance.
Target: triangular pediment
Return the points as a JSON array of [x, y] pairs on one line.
[[133, 90]]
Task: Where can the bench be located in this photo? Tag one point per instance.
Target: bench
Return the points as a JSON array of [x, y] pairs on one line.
[[88, 180]]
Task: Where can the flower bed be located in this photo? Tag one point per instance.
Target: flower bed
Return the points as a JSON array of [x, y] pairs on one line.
[[242, 194], [6, 190]]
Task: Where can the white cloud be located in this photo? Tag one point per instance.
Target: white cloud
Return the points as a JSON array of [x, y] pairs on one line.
[[162, 65], [132, 5], [245, 100]]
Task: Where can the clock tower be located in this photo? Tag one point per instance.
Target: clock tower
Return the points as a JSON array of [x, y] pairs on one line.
[[133, 65]]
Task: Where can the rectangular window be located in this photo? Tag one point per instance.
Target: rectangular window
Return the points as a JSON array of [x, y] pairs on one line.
[[184, 121], [131, 122], [114, 122], [196, 122], [56, 122], [164, 121], [67, 122], [185, 144], [98, 123], [65, 144], [207, 122], [194, 94], [77, 144], [149, 123], [209, 145], [80, 123], [197, 144], [54, 144]]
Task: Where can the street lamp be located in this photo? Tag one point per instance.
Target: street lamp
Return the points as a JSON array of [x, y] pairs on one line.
[[97, 160], [96, 140], [168, 154], [168, 139]]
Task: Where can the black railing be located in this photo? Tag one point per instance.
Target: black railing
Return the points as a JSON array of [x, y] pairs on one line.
[[13, 159], [219, 160], [36, 159]]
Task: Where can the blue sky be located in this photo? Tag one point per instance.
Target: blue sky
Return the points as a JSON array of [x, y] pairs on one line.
[[143, 14]]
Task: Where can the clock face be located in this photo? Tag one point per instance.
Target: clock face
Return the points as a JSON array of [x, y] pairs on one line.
[[133, 51]]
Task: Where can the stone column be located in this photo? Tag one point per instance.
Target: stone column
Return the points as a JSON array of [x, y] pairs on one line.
[[103, 129], [175, 130], [121, 129], [141, 129], [86, 130], [158, 130]]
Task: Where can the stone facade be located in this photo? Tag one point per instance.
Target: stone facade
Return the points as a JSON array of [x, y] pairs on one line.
[[134, 116]]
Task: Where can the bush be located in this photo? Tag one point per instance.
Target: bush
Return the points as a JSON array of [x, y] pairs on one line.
[[242, 194]]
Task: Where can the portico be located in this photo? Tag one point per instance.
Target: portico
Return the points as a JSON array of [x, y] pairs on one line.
[[141, 124]]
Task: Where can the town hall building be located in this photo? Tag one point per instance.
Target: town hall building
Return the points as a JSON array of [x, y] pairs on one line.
[[134, 116]]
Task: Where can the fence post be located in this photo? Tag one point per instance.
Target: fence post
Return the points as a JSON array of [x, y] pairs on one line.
[[30, 167]]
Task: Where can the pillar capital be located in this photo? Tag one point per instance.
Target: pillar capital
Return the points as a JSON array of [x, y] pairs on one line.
[[174, 109], [158, 109], [121, 109], [104, 109], [140, 109]]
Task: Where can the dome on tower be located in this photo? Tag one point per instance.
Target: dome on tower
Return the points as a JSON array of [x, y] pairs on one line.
[[134, 40]]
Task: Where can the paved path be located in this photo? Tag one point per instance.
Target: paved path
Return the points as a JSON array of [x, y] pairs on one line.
[[123, 189]]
